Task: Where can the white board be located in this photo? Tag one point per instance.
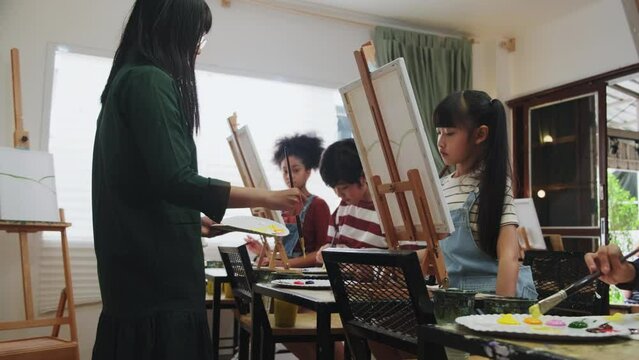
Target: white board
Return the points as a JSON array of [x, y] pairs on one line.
[[27, 186], [407, 137], [527, 214], [254, 167]]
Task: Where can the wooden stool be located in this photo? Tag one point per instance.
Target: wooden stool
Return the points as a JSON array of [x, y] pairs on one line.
[[45, 347]]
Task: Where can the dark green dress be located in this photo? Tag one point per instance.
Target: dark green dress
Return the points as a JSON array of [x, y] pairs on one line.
[[147, 199]]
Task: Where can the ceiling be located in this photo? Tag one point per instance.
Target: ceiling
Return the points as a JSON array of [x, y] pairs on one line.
[[471, 17]]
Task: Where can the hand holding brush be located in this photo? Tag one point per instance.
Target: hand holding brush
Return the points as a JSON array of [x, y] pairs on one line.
[[297, 217], [551, 301]]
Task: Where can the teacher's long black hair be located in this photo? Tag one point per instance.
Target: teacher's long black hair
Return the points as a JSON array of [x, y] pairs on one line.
[[166, 34]]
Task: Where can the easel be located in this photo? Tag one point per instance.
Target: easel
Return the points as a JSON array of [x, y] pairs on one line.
[[247, 179], [409, 231], [50, 347]]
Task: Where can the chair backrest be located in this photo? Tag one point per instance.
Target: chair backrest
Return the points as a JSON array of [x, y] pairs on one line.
[[240, 272], [554, 270], [381, 294]]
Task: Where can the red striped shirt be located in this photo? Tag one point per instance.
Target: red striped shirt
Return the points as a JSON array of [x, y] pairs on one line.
[[356, 226]]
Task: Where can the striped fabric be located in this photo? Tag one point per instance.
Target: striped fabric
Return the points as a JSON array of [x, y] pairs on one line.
[[456, 190], [356, 226]]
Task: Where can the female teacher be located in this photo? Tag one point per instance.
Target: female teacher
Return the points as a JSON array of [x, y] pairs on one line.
[[147, 194]]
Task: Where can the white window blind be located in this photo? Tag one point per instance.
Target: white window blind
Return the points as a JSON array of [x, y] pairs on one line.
[[271, 109]]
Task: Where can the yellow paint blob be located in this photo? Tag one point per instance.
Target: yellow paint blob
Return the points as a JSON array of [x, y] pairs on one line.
[[534, 311], [532, 321], [507, 319], [615, 317], [270, 229]]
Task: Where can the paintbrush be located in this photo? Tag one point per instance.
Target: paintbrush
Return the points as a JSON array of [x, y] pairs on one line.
[[297, 217], [551, 301]]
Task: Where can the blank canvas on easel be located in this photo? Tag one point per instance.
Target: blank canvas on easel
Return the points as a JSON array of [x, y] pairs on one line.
[[407, 137], [253, 169], [27, 186]]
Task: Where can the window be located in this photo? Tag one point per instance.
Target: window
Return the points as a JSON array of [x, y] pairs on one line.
[[270, 108]]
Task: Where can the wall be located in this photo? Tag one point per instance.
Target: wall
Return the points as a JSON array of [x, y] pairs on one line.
[[245, 39], [592, 39]]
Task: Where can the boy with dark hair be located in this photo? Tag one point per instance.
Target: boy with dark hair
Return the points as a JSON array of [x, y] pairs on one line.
[[354, 223]]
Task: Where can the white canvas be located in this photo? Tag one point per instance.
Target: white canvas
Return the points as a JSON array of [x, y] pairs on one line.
[[255, 169], [407, 137], [527, 215], [27, 186]]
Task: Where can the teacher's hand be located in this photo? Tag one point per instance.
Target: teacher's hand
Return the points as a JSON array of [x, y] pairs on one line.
[[608, 260], [289, 200], [206, 229]]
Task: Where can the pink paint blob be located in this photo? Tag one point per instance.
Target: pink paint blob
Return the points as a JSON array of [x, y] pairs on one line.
[[555, 322]]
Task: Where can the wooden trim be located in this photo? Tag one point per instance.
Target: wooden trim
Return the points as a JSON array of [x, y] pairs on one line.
[[526, 154], [26, 324], [604, 77], [602, 141], [625, 90], [563, 95], [589, 232], [622, 134]]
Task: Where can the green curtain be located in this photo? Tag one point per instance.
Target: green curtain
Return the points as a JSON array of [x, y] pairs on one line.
[[437, 66]]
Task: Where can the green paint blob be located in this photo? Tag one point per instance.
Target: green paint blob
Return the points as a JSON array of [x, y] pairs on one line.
[[578, 325]]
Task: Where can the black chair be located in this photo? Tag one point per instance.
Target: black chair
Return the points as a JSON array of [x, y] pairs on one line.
[[382, 297], [257, 325], [554, 270]]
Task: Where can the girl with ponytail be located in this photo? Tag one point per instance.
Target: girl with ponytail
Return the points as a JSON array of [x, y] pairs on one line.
[[482, 254]]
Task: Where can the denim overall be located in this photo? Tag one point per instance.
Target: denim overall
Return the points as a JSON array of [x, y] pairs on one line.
[[291, 240], [470, 268]]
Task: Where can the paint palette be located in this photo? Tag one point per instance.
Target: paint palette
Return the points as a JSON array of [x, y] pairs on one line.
[[314, 270], [547, 326], [253, 225], [315, 284]]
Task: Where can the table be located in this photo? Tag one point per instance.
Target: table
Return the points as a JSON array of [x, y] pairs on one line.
[[218, 276], [320, 301], [458, 337]]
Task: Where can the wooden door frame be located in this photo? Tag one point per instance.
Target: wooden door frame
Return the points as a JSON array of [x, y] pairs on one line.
[[520, 108]]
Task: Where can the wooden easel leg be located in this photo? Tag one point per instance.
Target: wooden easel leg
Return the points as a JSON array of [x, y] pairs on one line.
[[73, 330], [283, 255], [271, 262], [433, 257], [264, 253], [59, 312], [425, 264], [385, 215], [437, 259], [26, 275], [278, 250]]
